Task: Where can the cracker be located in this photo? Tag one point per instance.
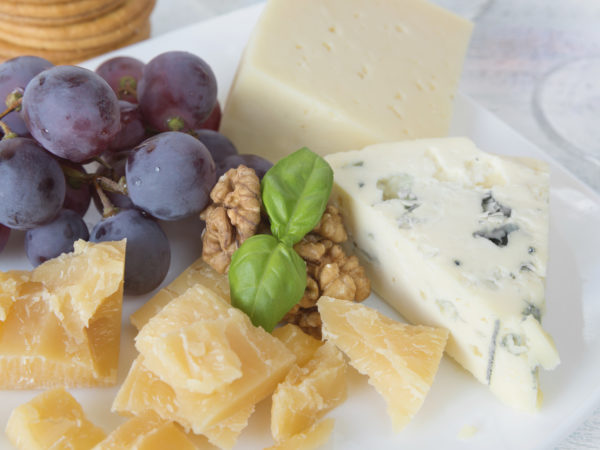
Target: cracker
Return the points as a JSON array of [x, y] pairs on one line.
[[19, 10], [106, 23], [62, 20], [118, 33], [8, 50]]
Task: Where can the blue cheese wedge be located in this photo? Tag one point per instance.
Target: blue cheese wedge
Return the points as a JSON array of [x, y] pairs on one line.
[[454, 237]]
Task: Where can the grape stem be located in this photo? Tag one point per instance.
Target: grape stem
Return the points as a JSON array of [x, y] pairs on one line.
[[108, 209], [11, 106], [8, 133], [127, 86], [120, 187], [102, 162]]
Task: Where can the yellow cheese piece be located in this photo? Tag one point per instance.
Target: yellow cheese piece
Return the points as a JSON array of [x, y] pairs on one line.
[[309, 392], [196, 357], [298, 342], [400, 360], [52, 420], [144, 392], [198, 273], [185, 349], [312, 438], [147, 432], [225, 433], [264, 362], [62, 323], [333, 75]]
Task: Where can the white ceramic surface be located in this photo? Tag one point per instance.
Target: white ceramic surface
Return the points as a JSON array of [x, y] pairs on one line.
[[456, 400]]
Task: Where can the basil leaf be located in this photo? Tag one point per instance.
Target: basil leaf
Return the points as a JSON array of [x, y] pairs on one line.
[[267, 278], [295, 192]]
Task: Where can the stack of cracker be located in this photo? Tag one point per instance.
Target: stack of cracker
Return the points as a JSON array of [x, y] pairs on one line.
[[69, 31]]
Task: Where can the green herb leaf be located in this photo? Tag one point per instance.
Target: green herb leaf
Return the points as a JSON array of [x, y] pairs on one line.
[[295, 192], [267, 278]]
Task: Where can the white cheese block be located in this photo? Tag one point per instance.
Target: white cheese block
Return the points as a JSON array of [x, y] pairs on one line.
[[457, 238], [339, 74]]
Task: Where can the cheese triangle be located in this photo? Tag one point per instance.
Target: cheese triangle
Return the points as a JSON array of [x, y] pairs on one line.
[[455, 237], [400, 360]]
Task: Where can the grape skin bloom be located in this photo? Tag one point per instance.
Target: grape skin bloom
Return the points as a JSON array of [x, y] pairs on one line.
[[170, 176], [14, 75], [54, 238], [121, 73], [179, 87], [72, 112], [147, 255], [32, 184]]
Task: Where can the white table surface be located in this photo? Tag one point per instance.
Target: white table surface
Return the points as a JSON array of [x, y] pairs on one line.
[[514, 45]]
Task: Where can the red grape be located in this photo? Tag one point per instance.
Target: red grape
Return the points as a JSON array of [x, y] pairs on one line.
[[148, 255], [54, 238], [4, 234], [258, 163], [177, 92], [72, 112], [217, 144], [122, 74], [214, 120], [170, 175], [14, 75], [132, 130], [32, 184]]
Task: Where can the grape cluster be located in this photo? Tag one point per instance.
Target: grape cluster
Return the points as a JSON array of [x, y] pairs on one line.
[[139, 139]]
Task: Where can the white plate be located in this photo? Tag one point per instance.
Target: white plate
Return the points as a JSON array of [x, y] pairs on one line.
[[456, 400]]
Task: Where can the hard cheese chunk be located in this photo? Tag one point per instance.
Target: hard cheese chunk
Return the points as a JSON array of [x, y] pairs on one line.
[[263, 362], [186, 344], [198, 273], [62, 321], [309, 392], [401, 360], [52, 420], [454, 237], [311, 438], [302, 345], [339, 74], [147, 432]]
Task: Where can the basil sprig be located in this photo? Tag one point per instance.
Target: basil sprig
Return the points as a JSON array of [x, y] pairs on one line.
[[295, 192], [266, 276]]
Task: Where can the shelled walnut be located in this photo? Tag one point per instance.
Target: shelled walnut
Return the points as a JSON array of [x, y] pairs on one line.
[[233, 217], [329, 271]]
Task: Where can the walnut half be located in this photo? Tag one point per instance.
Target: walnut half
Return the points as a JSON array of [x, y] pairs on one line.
[[232, 218], [329, 271]]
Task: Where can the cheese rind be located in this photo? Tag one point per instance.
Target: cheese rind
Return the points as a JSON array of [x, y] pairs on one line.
[[338, 74], [455, 237]]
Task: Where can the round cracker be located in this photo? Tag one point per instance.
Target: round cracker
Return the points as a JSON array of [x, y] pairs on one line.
[[105, 24], [117, 34], [18, 9], [62, 20], [8, 50]]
